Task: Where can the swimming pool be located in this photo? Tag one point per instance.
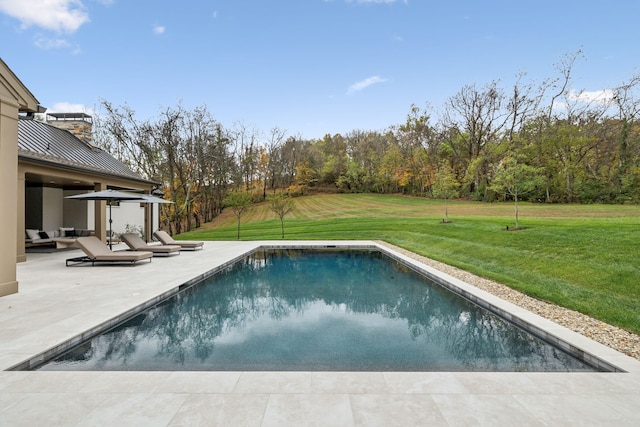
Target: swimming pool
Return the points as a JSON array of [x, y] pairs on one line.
[[356, 310]]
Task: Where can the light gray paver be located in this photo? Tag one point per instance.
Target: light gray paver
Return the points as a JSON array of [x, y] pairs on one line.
[[57, 303]]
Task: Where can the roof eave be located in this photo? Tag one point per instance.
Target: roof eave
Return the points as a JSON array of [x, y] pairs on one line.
[[95, 172], [26, 101]]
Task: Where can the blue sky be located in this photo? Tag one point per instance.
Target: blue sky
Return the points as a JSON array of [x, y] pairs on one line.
[[309, 67]]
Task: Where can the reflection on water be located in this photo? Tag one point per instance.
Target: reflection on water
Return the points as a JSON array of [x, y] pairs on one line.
[[317, 310]]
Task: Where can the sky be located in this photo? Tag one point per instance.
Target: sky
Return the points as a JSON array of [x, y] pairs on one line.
[[308, 67]]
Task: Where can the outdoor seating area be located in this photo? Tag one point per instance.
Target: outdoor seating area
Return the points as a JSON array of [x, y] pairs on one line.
[[138, 250], [61, 238]]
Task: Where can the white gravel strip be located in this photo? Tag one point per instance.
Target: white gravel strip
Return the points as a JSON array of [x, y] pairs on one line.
[[617, 338]]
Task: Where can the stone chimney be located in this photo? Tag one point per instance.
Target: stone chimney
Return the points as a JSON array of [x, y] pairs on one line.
[[79, 124]]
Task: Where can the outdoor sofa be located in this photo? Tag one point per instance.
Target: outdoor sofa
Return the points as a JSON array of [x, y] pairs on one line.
[[60, 238]]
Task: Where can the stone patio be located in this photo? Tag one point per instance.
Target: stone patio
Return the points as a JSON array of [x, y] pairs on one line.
[[58, 303]]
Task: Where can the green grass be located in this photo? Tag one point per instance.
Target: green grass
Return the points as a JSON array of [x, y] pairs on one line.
[[583, 257]]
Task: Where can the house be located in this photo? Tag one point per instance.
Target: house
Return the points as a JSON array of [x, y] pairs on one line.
[[57, 159], [40, 164]]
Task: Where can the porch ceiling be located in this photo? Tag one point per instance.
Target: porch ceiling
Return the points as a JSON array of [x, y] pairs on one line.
[[58, 181]]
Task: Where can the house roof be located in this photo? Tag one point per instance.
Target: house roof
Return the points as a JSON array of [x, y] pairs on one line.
[[43, 143], [12, 86]]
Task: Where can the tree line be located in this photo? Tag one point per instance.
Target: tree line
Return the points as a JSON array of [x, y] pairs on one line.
[[543, 142]]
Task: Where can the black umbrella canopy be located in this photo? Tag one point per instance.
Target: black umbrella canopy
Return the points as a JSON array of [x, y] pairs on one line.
[[109, 195]]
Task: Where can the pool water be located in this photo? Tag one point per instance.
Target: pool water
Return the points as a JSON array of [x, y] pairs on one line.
[[317, 310]]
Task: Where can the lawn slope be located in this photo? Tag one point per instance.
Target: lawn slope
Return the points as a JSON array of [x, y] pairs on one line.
[[583, 257]]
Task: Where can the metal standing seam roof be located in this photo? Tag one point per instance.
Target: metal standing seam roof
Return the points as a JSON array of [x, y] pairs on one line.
[[43, 142]]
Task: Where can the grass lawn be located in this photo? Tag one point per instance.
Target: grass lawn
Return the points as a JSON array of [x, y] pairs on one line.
[[584, 257]]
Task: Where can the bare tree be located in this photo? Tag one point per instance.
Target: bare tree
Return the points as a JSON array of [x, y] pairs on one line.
[[274, 165], [475, 118], [128, 139], [627, 103], [246, 141]]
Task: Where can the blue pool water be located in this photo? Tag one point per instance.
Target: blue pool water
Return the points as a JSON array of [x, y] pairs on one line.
[[303, 310]]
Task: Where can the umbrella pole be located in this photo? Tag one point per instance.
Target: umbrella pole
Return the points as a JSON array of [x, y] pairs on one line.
[[110, 237]]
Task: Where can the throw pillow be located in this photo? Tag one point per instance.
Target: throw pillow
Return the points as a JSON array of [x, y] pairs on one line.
[[43, 235], [33, 234], [64, 231]]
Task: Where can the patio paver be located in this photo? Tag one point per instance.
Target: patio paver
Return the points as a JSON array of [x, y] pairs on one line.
[[57, 303]]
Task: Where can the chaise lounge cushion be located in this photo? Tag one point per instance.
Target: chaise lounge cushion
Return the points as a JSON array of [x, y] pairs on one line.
[[98, 251], [136, 243], [166, 239]]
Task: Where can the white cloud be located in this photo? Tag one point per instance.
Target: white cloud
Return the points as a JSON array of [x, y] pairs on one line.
[[47, 43], [597, 96], [159, 29], [67, 107], [363, 84], [56, 15]]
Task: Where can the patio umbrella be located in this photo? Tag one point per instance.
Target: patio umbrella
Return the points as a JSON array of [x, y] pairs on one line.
[[109, 195]]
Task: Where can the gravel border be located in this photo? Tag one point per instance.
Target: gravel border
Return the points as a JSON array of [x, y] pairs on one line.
[[617, 338]]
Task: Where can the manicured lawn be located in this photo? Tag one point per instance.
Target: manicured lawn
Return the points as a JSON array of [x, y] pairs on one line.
[[584, 257]]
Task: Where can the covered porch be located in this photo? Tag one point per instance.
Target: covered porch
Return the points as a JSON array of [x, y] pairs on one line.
[[57, 159], [44, 206]]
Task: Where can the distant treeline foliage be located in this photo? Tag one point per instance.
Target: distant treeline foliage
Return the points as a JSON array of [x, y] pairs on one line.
[[583, 146]]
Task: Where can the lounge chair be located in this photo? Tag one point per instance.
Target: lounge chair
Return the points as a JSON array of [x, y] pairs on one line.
[[136, 243], [166, 239], [99, 252]]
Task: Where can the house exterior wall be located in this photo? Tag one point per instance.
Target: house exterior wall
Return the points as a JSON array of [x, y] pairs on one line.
[[76, 214], [33, 215], [127, 217], [14, 97], [52, 214], [9, 191]]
